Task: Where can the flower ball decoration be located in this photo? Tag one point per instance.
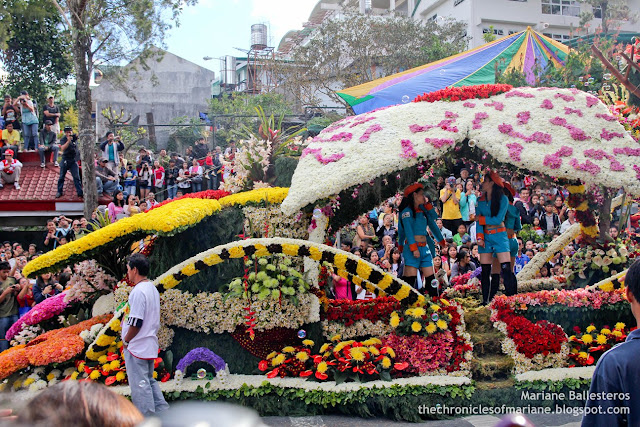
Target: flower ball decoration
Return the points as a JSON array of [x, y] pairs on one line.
[[564, 133]]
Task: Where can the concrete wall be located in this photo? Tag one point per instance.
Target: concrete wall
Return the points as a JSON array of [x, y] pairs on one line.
[[171, 88]]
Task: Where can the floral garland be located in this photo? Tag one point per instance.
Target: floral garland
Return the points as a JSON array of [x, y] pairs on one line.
[[529, 271], [542, 284], [292, 247], [611, 283], [275, 223], [588, 347], [412, 133], [166, 220], [207, 194], [42, 311], [463, 93]]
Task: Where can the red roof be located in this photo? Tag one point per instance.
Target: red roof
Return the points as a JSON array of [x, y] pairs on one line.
[[38, 187]]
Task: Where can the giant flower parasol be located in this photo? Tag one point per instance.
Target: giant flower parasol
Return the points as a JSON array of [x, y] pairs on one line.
[[564, 133], [527, 51]]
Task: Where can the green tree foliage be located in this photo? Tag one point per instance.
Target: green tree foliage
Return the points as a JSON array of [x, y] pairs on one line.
[[110, 32], [36, 56], [358, 48], [612, 13], [228, 108]]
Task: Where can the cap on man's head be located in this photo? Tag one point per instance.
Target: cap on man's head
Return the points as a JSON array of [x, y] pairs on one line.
[[24, 92], [103, 160], [47, 122], [50, 96], [68, 128], [8, 153]]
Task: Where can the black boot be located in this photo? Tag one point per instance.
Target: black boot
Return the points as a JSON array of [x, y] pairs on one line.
[[495, 285], [429, 289], [411, 281], [485, 280], [510, 281]]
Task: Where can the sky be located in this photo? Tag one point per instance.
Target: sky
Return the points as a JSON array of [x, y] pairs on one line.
[[215, 27]]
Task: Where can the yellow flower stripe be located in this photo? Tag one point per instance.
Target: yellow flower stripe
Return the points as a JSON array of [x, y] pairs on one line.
[[356, 269], [267, 195], [165, 220], [108, 335], [607, 284]]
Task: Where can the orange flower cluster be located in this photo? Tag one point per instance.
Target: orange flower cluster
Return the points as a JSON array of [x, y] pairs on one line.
[[54, 346], [13, 360]]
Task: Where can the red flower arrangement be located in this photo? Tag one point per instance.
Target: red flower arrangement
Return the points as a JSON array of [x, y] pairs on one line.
[[530, 338], [207, 194], [463, 93], [349, 312]]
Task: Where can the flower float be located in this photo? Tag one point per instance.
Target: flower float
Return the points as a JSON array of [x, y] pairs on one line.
[[409, 134], [588, 346], [199, 354]]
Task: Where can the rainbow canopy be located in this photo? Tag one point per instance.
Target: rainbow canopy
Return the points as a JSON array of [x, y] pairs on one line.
[[527, 51]]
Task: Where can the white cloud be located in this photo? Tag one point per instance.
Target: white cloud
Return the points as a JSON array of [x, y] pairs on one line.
[[281, 15]]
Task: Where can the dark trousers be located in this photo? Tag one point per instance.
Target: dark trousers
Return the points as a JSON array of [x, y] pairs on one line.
[[5, 324], [70, 165]]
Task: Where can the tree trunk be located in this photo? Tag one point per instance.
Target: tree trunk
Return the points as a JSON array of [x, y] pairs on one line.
[[86, 133], [605, 217]]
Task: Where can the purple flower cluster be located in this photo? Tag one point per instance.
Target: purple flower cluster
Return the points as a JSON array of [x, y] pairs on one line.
[[627, 151], [515, 150], [469, 105], [201, 354], [479, 118], [610, 135], [523, 117], [591, 101], [569, 110], [439, 143], [408, 150], [495, 104], [607, 117], [587, 166], [565, 97], [547, 104], [361, 120], [513, 93], [541, 137]]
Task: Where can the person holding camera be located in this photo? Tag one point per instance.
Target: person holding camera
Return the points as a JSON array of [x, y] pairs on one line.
[[145, 180], [46, 287], [69, 147], [111, 149], [48, 142], [9, 290], [29, 120]]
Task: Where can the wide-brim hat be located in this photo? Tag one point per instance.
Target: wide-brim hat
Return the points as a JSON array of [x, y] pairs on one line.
[[493, 176], [413, 188], [509, 188]]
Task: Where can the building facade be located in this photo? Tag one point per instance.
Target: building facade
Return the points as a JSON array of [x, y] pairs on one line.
[[169, 88], [558, 19]]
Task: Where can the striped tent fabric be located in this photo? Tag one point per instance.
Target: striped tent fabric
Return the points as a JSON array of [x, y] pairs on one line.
[[527, 51]]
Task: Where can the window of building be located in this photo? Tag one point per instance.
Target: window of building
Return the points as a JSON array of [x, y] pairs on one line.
[[561, 7], [512, 32], [496, 31], [558, 37], [433, 18], [597, 12]]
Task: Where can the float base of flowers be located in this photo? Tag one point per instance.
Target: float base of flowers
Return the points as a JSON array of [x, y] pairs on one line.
[[237, 381]]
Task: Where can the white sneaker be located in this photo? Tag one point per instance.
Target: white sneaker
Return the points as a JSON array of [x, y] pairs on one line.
[[1, 186], [41, 165], [17, 186], [56, 164]]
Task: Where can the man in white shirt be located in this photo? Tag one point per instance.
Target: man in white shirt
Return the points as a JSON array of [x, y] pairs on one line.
[[140, 340], [571, 219], [446, 233]]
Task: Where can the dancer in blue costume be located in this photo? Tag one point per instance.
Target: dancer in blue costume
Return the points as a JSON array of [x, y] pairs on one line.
[[417, 247], [513, 224], [492, 234]]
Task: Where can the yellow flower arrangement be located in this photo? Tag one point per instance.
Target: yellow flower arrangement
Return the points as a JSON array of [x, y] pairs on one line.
[[357, 354], [386, 362], [601, 339], [273, 195], [272, 355], [278, 360], [95, 374], [323, 349], [390, 352], [372, 341], [120, 376], [322, 367], [590, 329], [587, 339], [395, 320], [441, 324], [431, 328], [336, 338], [374, 351], [302, 356], [605, 331], [583, 355], [617, 333], [308, 343], [416, 327], [620, 326], [288, 349]]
